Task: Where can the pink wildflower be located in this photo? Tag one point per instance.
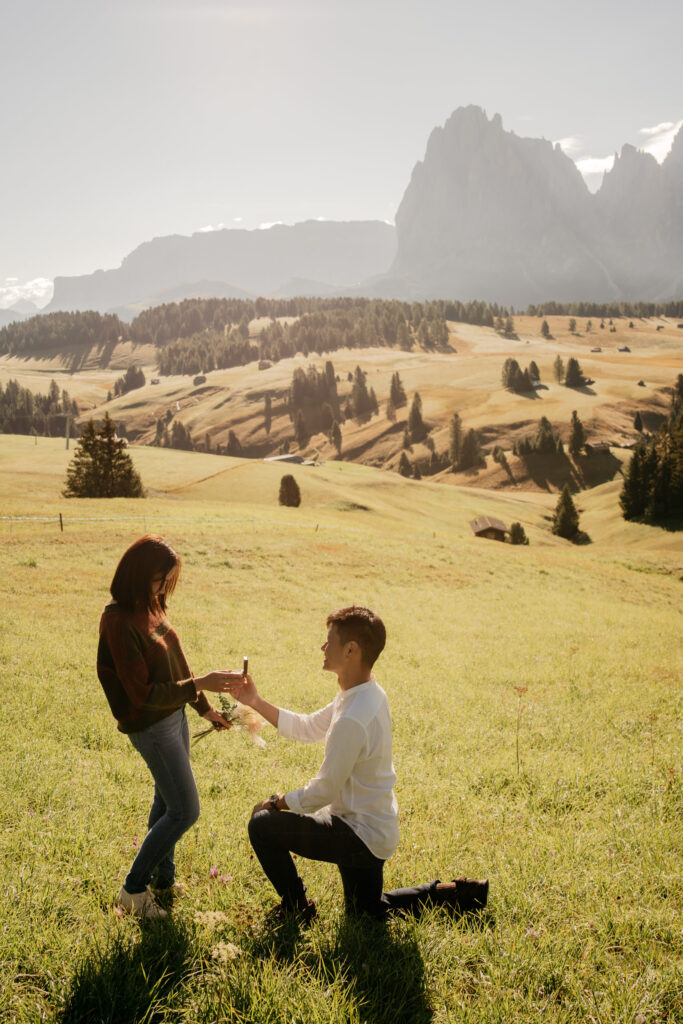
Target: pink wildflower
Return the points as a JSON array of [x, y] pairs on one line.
[[213, 872]]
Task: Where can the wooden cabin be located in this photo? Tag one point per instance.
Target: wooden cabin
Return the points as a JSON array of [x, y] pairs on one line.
[[487, 526]]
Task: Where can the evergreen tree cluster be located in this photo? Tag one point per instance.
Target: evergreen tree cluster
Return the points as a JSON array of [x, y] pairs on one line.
[[133, 378], [210, 350], [573, 375], [101, 466], [313, 401], [653, 482], [61, 331], [516, 379], [22, 412], [546, 441]]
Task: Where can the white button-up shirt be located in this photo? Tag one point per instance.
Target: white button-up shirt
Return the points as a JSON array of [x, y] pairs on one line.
[[355, 781]]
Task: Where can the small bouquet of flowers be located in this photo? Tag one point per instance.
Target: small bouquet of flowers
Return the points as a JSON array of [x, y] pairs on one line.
[[239, 716]]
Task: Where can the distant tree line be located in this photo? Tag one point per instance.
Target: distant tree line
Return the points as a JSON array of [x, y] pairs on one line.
[[607, 309], [321, 325], [23, 412], [61, 331], [653, 482]]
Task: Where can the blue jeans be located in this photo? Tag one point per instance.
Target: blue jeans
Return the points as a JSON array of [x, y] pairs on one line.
[[165, 748]]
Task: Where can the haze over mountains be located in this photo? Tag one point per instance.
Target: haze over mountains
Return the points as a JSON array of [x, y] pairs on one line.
[[486, 215]]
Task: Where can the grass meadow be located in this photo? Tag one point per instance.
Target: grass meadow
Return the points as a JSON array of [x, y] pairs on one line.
[[536, 700]]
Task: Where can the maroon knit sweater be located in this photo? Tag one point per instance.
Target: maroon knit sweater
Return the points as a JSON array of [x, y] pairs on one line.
[[142, 668]]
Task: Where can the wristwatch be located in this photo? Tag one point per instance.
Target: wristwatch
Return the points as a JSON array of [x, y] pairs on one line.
[[272, 801]]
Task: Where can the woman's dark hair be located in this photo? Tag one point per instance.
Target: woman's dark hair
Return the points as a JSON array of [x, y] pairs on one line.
[[148, 557], [363, 626]]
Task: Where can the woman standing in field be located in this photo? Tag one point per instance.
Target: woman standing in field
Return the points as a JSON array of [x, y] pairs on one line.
[[147, 681]]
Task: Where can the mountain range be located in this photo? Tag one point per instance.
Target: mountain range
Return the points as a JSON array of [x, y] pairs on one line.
[[487, 215]]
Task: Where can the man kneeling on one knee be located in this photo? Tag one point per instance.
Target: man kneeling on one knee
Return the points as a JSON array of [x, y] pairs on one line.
[[347, 814]]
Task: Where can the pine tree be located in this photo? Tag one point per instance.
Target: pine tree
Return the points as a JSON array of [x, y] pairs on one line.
[[301, 430], [577, 438], [233, 446], [574, 377], [397, 392], [470, 455], [518, 534], [545, 329], [638, 422], [336, 437], [267, 412], [638, 481], [289, 495], [416, 425], [101, 466], [558, 369], [455, 441], [566, 518], [404, 467]]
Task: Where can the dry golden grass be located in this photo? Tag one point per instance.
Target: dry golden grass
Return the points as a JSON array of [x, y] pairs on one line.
[[467, 381]]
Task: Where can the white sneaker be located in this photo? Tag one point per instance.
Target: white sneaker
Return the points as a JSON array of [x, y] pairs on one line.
[[141, 904]]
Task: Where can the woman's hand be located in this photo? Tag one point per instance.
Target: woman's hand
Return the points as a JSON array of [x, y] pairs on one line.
[[220, 681], [217, 719]]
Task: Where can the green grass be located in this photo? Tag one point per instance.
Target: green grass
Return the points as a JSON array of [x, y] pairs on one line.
[[581, 845]]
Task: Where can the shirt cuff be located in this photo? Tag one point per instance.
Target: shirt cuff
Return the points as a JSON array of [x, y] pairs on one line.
[[293, 802]]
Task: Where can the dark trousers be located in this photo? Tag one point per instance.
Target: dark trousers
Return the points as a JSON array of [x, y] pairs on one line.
[[275, 835]]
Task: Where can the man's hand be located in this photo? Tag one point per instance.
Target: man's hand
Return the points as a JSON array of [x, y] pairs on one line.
[[216, 718], [247, 693], [266, 805]]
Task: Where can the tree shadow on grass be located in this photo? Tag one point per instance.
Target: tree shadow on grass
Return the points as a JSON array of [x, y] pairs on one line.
[[126, 980]]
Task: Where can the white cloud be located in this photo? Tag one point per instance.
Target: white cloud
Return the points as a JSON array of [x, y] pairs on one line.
[[38, 291], [660, 138], [572, 144], [269, 224], [210, 227], [595, 164]]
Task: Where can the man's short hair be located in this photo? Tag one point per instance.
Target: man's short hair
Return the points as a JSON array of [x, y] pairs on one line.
[[363, 626]]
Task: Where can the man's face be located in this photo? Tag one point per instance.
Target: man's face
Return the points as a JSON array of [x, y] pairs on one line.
[[333, 649]]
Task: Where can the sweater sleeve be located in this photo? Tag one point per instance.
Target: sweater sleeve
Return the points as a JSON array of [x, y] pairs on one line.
[[133, 673], [343, 749]]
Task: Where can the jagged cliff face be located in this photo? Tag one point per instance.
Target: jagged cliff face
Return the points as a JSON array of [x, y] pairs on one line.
[[639, 209], [490, 215], [486, 215], [308, 258]]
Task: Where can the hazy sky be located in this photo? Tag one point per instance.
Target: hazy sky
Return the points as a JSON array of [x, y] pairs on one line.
[[125, 119]]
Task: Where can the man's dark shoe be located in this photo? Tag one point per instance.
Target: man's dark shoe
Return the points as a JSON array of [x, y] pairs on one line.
[[462, 894], [286, 912]]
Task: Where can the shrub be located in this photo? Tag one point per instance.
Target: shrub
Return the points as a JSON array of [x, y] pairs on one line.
[[290, 495], [517, 534]]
